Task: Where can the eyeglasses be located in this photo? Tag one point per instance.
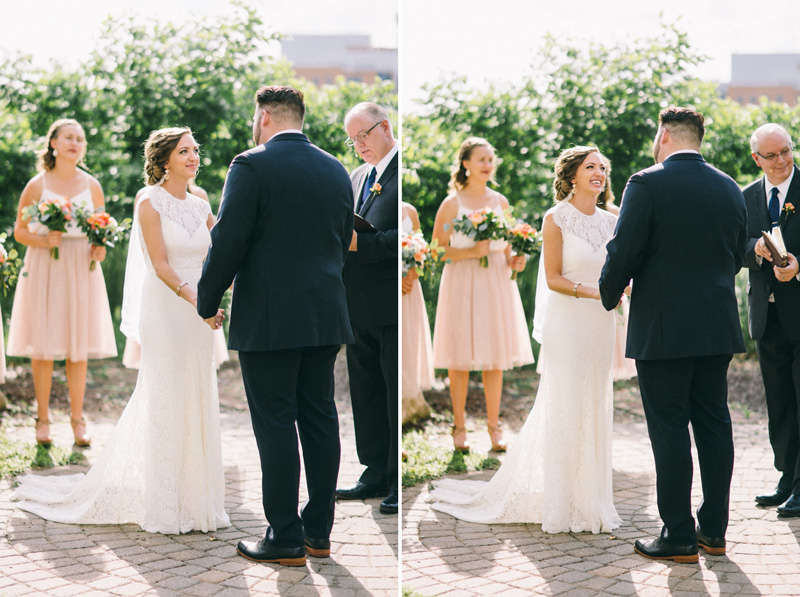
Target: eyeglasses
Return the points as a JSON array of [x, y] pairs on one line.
[[360, 137], [771, 157]]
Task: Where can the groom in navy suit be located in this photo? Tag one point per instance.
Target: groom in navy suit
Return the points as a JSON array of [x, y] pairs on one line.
[[284, 230], [681, 238], [774, 300], [371, 279]]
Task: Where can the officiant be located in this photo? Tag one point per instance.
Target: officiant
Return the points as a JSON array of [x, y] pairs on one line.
[[371, 280], [774, 305]]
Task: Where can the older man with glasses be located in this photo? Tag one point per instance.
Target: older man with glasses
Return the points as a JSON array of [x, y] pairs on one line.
[[371, 282], [774, 300]]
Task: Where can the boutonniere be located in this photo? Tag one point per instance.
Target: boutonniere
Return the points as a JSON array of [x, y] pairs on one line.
[[788, 208], [375, 189]]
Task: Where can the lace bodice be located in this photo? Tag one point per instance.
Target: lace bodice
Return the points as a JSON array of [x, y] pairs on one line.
[[462, 241], [183, 226], [584, 239]]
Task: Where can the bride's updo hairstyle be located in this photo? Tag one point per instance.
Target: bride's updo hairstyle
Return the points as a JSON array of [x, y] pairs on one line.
[[157, 148], [567, 166], [46, 158], [459, 176]]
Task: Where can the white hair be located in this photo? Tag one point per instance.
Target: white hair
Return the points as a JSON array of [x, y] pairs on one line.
[[376, 112], [763, 131]]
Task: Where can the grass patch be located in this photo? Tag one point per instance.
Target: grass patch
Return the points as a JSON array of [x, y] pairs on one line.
[[425, 461], [17, 457], [410, 593]]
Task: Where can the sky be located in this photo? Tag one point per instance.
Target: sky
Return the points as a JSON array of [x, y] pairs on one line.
[[498, 40], [67, 30]]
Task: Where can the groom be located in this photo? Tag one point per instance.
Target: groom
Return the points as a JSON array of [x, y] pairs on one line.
[[681, 238], [284, 229]]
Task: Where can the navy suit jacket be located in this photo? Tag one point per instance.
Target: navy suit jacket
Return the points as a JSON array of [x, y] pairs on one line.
[[681, 239], [762, 278], [284, 229], [371, 272]]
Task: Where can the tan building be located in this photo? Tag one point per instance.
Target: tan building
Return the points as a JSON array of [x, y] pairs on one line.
[[775, 76], [322, 58]]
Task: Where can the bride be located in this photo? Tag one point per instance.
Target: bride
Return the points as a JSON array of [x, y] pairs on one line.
[[162, 466], [558, 471]]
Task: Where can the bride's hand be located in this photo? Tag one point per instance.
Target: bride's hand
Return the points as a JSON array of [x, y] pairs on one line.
[[215, 322]]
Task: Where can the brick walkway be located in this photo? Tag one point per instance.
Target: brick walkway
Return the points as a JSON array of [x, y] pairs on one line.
[[38, 557], [442, 555]]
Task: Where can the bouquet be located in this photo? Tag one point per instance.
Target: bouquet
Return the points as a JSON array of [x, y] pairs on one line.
[[54, 214], [482, 224], [418, 254], [524, 240], [10, 264], [101, 229]]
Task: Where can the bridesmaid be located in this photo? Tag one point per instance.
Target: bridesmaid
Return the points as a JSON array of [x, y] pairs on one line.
[[417, 373], [480, 323], [60, 308]]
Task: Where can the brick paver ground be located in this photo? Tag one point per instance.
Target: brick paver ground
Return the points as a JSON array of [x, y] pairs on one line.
[[444, 556], [38, 557]]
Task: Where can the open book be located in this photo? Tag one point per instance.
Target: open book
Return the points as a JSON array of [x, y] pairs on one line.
[[776, 246]]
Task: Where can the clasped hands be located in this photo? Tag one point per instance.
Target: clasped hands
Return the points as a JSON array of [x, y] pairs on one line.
[[782, 274], [215, 322], [515, 262]]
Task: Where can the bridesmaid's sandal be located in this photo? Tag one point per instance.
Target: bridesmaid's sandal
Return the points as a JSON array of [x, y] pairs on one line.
[[82, 439], [496, 435], [43, 432], [460, 439]]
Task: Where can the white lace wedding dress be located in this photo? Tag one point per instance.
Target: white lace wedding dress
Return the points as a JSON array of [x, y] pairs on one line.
[[162, 466], [558, 470]]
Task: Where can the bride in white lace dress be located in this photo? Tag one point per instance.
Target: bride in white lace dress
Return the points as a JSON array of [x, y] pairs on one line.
[[558, 471], [162, 466]]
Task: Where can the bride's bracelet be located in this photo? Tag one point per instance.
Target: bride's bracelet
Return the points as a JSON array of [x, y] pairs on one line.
[[178, 289], [575, 290]]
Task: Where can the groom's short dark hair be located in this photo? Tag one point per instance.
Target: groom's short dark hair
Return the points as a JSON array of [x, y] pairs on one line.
[[683, 122], [284, 103]]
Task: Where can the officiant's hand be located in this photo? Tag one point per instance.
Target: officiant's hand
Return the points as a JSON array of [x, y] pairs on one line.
[[784, 274], [215, 322], [98, 254], [354, 242], [761, 250]]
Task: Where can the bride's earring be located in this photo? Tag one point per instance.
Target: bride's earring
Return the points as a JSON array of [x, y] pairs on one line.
[[166, 174]]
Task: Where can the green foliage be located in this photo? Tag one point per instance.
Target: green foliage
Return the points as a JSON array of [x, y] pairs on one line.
[[145, 75], [17, 457], [425, 461]]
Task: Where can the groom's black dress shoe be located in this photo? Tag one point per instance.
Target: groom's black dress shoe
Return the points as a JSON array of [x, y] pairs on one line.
[[658, 550], [776, 498], [262, 551], [791, 509], [713, 546], [360, 491], [389, 505], [318, 548]]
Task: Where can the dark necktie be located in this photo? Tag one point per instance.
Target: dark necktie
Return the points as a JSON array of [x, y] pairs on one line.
[[774, 207], [366, 190]]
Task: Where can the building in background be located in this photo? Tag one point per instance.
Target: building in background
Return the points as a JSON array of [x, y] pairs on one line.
[[776, 76], [322, 58]]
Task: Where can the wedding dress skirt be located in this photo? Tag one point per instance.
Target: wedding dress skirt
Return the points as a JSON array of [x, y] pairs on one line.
[[162, 466], [558, 470]]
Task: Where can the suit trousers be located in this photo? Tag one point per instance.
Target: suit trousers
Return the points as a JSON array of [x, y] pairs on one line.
[[779, 359], [291, 391], [372, 367], [676, 392]]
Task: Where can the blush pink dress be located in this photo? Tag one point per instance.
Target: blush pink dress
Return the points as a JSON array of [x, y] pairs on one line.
[[480, 323], [61, 308]]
